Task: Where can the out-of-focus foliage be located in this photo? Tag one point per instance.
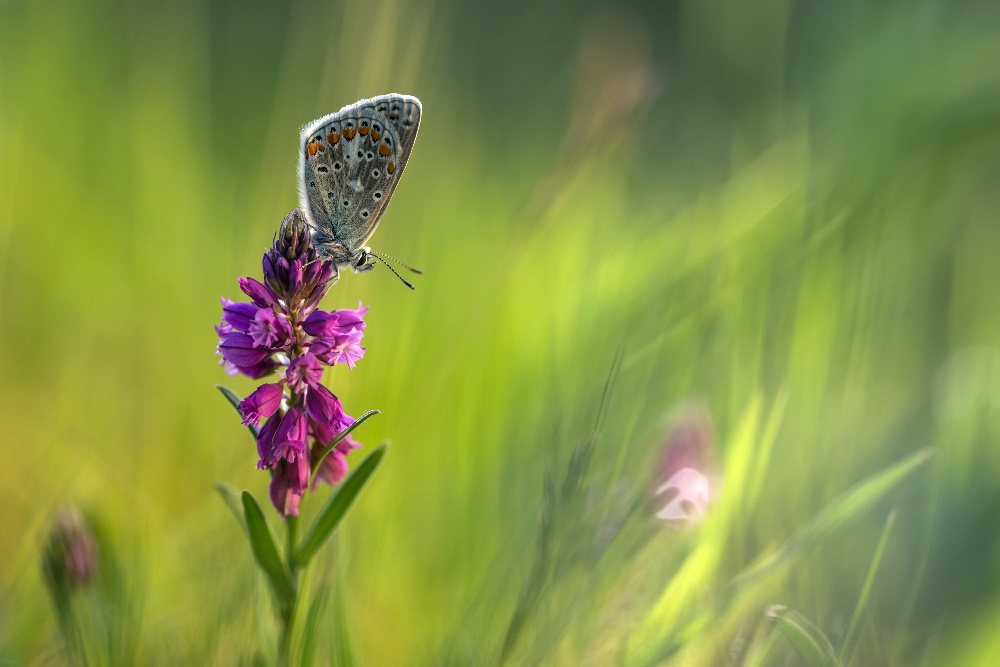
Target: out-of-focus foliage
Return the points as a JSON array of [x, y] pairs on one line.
[[784, 213]]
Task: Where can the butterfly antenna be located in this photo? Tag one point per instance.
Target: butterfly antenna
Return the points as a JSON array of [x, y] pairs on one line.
[[405, 282], [405, 266]]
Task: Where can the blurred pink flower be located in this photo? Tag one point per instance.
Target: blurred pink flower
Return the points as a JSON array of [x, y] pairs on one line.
[[683, 486]]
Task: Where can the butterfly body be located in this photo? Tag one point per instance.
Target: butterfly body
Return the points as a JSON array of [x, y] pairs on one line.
[[349, 164]]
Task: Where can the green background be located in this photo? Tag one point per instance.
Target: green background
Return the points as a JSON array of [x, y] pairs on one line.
[[784, 214]]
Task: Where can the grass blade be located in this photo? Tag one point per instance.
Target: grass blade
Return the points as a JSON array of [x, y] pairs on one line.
[[757, 659], [340, 436], [309, 633], [265, 551], [848, 647], [344, 655], [834, 516], [234, 400], [335, 509], [231, 496], [809, 642]]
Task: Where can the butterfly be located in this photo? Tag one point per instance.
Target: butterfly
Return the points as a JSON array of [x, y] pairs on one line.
[[349, 164]]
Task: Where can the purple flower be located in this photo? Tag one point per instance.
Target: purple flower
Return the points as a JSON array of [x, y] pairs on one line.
[[288, 484], [322, 406], [269, 330], [263, 402], [283, 330], [259, 370], [240, 350], [290, 439], [260, 294], [303, 372], [324, 433], [238, 314], [338, 323], [333, 468], [265, 441], [340, 348]]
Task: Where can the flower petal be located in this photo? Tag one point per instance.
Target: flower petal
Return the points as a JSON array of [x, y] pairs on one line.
[[290, 438], [239, 349], [263, 402], [265, 442], [283, 497], [238, 314], [261, 294], [323, 406], [303, 372], [332, 470]]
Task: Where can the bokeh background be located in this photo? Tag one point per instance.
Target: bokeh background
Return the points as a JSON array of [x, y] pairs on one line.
[[778, 216]]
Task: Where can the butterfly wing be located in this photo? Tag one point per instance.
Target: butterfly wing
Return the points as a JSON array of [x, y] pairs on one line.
[[349, 164]]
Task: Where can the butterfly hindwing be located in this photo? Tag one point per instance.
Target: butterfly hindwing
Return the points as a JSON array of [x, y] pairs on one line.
[[350, 163]]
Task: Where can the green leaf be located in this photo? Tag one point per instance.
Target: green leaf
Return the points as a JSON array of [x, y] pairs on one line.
[[809, 642], [335, 509], [265, 552], [234, 400], [231, 496], [340, 436]]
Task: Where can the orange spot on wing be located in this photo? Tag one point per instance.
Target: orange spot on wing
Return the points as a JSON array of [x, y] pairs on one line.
[[333, 138], [349, 133], [363, 130], [391, 168], [384, 150], [375, 135], [320, 146], [312, 149]]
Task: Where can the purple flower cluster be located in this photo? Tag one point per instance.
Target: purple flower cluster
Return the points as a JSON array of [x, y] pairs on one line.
[[284, 331]]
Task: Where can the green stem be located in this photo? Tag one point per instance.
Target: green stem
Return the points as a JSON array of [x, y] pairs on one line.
[[285, 645], [288, 613], [71, 632], [292, 523]]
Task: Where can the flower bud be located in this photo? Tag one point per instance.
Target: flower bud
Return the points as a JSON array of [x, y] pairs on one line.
[[70, 556]]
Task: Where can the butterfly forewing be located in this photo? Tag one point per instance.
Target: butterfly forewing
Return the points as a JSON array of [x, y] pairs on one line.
[[350, 163]]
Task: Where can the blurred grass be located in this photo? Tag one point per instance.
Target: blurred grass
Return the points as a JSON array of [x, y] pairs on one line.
[[786, 210]]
